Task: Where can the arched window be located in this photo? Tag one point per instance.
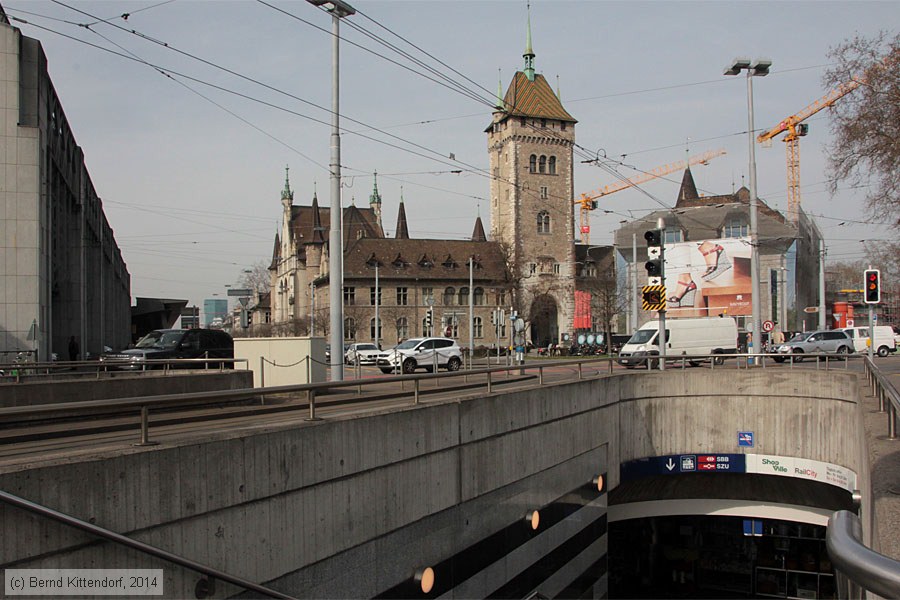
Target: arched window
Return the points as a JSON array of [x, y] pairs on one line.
[[372, 333], [463, 296], [402, 329], [449, 293], [478, 296], [542, 168], [349, 328], [551, 165], [543, 222], [532, 163], [477, 328]]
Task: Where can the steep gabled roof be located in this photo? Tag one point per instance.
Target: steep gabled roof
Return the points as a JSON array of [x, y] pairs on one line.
[[276, 252], [489, 259], [536, 98], [402, 229], [478, 233], [357, 223], [688, 189]]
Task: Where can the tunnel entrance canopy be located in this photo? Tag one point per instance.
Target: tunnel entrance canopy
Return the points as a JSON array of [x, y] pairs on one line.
[[701, 493]]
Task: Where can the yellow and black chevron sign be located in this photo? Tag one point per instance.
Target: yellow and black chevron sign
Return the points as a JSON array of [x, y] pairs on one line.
[[654, 297]]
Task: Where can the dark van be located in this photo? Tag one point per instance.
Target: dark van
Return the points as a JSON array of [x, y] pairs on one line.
[[175, 343]]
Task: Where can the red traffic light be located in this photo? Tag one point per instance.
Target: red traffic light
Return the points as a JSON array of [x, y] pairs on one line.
[[873, 286]]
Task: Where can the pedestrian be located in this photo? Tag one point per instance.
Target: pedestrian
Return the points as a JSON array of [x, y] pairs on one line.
[[778, 338], [520, 354], [73, 349]]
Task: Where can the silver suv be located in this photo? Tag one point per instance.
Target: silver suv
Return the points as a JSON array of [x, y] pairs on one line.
[[816, 342], [421, 353]]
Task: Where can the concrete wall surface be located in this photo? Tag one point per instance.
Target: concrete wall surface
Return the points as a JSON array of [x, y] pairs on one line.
[[32, 393], [283, 360], [352, 507]]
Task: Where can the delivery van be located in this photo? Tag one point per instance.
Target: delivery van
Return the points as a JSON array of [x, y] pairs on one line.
[[706, 335], [883, 344]]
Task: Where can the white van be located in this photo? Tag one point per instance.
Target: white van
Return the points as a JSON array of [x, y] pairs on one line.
[[706, 335], [883, 344]]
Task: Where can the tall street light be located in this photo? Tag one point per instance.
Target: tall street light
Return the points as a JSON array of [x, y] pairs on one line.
[[338, 10], [759, 68]]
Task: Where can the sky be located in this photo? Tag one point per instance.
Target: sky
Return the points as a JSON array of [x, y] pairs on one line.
[[190, 162]]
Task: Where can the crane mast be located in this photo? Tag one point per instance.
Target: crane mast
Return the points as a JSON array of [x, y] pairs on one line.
[[588, 202], [795, 129]]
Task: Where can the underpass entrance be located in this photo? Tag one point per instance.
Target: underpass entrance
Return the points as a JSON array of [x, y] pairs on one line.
[[699, 556]]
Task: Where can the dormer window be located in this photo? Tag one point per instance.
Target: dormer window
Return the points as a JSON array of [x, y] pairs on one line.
[[449, 263], [399, 262], [425, 262], [735, 228]]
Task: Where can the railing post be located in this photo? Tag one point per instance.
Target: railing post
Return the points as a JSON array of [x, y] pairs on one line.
[[579, 370], [416, 390], [892, 421], [206, 358], [311, 396], [145, 428], [358, 377], [262, 371], [488, 382], [881, 400], [541, 375]]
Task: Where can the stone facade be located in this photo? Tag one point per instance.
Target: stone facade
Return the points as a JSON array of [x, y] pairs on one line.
[[61, 271]]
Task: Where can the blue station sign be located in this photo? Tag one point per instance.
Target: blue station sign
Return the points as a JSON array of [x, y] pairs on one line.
[[677, 464]]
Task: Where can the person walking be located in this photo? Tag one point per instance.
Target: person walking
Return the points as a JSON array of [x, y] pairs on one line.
[[73, 349], [777, 338]]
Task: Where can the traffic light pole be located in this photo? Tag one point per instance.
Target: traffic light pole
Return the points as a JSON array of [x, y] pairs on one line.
[[661, 335], [871, 332]]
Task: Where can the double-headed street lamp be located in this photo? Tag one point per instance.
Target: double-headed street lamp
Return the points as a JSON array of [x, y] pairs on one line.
[[759, 68], [338, 10]]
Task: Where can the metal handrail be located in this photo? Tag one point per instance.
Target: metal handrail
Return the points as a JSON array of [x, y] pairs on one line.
[[858, 567], [27, 371], [118, 538], [888, 397]]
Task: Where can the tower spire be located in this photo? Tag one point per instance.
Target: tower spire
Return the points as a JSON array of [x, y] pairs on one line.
[[287, 196], [375, 200], [529, 52], [500, 103]]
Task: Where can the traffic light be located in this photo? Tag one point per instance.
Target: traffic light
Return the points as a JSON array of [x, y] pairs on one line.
[[872, 281], [654, 264], [428, 318]]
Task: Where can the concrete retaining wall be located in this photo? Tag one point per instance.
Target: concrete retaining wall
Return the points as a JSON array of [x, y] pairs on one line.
[[350, 507], [31, 393]]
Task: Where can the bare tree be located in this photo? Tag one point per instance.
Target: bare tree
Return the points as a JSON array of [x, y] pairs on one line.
[[865, 151], [257, 278], [608, 301]]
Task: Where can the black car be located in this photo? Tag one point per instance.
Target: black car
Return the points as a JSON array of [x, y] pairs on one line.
[[174, 343]]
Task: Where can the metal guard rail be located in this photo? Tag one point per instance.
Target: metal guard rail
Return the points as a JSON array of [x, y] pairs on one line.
[[856, 566], [117, 538], [888, 397]]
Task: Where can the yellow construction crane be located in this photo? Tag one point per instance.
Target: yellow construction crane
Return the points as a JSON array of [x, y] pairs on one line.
[[588, 201], [796, 129]]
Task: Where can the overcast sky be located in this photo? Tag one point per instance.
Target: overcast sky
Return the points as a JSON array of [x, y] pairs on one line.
[[190, 174]]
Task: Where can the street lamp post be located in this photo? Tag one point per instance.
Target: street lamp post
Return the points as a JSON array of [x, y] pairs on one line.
[[338, 10], [759, 68]]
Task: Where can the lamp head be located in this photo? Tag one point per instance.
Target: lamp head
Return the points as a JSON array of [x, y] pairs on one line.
[[737, 65]]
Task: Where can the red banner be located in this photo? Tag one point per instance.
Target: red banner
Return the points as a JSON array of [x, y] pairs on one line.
[[582, 310]]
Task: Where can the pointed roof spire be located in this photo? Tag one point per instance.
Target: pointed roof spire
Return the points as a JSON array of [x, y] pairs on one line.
[[402, 229], [529, 52], [478, 233], [688, 189], [286, 193], [318, 232], [558, 94], [500, 105], [375, 197]]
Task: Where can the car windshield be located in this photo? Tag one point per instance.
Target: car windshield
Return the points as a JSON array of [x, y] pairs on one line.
[[366, 347], [642, 336], [408, 344], [160, 339], [800, 337]]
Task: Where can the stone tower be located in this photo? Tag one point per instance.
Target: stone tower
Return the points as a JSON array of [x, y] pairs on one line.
[[530, 142]]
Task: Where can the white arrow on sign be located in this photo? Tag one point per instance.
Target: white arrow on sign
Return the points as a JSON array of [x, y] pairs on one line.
[[670, 465]]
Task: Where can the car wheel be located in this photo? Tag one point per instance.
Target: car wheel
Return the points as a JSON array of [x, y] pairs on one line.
[[718, 360], [883, 351], [843, 350], [409, 366], [778, 359], [453, 364], [798, 355]]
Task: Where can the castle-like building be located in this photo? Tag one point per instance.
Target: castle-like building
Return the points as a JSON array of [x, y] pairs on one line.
[[527, 265]]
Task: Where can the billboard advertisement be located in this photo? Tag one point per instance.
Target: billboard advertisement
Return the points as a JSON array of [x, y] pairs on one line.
[[708, 278]]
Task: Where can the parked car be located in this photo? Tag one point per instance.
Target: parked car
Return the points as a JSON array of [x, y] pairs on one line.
[[829, 341], [173, 343], [328, 351], [882, 344], [421, 353], [365, 353]]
